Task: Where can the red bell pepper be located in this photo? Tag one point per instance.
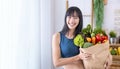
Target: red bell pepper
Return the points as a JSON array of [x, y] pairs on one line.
[[98, 38]]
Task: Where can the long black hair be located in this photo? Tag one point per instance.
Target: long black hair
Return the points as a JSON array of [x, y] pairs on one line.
[[70, 12]]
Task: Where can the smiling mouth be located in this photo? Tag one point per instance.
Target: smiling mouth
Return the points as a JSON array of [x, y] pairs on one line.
[[71, 24]]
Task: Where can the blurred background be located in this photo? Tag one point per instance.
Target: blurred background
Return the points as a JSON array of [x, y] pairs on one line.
[[27, 26]]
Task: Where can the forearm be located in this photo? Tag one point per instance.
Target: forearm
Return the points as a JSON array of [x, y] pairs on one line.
[[65, 61]]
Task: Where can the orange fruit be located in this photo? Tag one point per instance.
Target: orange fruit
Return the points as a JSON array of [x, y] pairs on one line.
[[88, 39]]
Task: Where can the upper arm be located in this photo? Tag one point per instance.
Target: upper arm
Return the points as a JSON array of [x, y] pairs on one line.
[[55, 47]]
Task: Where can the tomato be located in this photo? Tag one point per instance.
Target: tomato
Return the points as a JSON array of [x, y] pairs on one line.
[[103, 38], [98, 38], [104, 41], [106, 37]]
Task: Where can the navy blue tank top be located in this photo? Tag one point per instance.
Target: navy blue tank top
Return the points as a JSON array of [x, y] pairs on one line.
[[67, 47]]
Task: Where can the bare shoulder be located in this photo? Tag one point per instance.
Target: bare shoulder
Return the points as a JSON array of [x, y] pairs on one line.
[[56, 35], [56, 38]]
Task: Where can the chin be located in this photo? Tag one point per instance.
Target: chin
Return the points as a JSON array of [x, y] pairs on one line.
[[71, 28]]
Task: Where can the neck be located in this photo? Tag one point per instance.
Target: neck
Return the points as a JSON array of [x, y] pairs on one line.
[[70, 34]]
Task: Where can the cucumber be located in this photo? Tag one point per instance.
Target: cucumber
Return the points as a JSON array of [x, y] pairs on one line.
[[87, 44]]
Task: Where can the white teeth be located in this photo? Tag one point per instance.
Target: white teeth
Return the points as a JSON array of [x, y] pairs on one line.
[[72, 24]]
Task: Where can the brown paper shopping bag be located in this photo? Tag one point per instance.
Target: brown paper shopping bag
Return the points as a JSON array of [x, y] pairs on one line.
[[99, 56]]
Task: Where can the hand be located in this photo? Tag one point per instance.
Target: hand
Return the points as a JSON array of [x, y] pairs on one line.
[[108, 62], [106, 65], [84, 56]]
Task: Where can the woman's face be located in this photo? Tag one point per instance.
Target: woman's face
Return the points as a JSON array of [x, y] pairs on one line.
[[72, 21]]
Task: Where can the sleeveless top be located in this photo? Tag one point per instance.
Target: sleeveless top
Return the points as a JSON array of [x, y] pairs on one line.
[[67, 47]]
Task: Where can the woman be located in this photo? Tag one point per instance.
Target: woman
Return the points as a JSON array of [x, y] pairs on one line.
[[65, 53]]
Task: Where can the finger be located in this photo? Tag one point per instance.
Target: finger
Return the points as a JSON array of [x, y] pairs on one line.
[[86, 58], [81, 51], [88, 53]]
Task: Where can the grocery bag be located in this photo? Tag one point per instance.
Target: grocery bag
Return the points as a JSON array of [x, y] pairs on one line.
[[99, 55]]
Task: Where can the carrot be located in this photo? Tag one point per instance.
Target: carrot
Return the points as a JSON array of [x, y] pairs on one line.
[[93, 40]]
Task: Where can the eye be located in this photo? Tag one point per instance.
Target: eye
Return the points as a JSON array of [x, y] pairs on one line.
[[68, 16], [75, 17]]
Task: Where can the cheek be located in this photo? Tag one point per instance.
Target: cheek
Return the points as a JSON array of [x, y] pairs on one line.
[[77, 21], [67, 20]]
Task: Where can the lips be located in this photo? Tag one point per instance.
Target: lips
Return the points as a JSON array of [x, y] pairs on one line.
[[72, 24]]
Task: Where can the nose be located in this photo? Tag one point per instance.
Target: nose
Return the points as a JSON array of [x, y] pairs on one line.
[[72, 19]]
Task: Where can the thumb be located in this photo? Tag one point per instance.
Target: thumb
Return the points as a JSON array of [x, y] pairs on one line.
[[81, 51]]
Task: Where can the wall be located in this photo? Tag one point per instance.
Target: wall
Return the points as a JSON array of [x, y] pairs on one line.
[[59, 14], [111, 13]]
